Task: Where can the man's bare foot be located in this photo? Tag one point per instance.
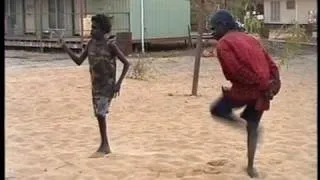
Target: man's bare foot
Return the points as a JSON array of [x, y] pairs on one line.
[[252, 172], [104, 148]]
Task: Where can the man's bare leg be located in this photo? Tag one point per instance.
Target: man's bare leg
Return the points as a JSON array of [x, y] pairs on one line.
[[253, 117], [252, 141], [223, 109]]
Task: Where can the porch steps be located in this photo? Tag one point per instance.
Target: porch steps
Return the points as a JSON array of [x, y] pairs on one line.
[[73, 43]]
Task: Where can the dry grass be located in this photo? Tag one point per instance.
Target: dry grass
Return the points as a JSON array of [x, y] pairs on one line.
[[141, 69]]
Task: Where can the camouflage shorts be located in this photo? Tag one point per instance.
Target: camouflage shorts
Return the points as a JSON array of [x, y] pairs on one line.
[[101, 105]]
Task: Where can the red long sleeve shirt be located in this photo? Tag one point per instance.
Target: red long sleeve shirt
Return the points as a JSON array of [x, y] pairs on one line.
[[249, 68]]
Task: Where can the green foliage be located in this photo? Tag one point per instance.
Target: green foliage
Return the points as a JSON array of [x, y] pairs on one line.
[[253, 25], [264, 32], [240, 8], [292, 45]]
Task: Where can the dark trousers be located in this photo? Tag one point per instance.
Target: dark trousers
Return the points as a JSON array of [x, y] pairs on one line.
[[224, 105]]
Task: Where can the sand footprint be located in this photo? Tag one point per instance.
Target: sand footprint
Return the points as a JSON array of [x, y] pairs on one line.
[[219, 162], [211, 167], [217, 166]]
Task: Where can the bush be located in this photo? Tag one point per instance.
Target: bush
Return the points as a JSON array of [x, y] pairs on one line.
[[264, 32], [140, 69], [253, 25], [292, 46]]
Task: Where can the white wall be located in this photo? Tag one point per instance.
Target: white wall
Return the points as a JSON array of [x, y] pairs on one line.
[[287, 16], [303, 7]]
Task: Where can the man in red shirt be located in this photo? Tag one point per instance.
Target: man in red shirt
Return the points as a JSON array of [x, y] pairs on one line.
[[253, 75]]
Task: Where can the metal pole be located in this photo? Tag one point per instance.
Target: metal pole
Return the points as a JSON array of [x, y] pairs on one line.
[[81, 21], [142, 26]]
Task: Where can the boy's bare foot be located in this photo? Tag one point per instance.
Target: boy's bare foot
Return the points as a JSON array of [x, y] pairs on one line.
[[102, 151], [98, 155], [252, 172]]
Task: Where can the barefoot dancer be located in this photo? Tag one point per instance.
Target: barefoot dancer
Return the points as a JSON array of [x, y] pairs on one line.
[[253, 74], [102, 52]]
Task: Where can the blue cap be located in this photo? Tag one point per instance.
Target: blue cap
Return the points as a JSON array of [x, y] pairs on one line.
[[223, 16]]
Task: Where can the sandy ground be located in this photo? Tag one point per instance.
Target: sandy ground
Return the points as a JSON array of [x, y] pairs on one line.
[[156, 130]]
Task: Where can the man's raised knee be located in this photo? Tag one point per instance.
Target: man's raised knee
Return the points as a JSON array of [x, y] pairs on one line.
[[214, 110]]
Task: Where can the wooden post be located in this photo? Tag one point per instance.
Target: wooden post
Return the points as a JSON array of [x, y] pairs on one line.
[[81, 21], [189, 37], [200, 18], [41, 24]]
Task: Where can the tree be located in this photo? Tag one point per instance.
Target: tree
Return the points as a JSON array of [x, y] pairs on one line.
[[207, 9]]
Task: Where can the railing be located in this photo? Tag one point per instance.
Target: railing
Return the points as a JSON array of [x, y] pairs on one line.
[[15, 24]]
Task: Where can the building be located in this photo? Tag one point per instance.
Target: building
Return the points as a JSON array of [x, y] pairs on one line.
[[39, 22], [163, 19], [280, 12]]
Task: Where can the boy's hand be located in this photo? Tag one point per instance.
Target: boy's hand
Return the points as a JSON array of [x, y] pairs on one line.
[[116, 89]]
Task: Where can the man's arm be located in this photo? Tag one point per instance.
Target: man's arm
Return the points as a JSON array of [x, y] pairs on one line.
[[77, 59], [272, 66], [123, 59], [275, 77], [237, 72]]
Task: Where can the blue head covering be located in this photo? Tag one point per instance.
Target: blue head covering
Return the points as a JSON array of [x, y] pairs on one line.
[[224, 17]]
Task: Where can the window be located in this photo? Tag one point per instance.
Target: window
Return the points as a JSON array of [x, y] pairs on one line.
[[10, 10], [291, 4], [10, 15], [13, 11], [260, 9], [275, 10], [56, 14]]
